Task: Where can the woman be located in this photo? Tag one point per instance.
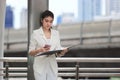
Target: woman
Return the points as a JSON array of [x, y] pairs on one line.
[[42, 40]]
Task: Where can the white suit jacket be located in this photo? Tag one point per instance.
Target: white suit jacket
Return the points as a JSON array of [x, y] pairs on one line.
[[38, 40]]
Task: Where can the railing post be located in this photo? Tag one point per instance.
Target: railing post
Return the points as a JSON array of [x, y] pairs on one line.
[[6, 71], [77, 70], [8, 45], [86, 78], [109, 31], [81, 33]]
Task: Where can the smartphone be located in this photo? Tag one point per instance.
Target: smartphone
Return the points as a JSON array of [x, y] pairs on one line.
[[47, 46]]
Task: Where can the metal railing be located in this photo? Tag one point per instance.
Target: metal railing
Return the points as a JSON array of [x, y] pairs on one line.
[[98, 60], [7, 60], [69, 59]]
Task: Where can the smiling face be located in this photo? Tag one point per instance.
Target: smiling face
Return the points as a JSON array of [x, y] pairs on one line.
[[47, 22]]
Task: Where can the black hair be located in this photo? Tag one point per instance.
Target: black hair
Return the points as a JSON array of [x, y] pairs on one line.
[[45, 14]]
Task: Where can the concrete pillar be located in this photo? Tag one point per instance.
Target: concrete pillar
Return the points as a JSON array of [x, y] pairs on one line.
[[2, 20], [35, 7]]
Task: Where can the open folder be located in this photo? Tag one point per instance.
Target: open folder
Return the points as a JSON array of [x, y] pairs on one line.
[[50, 52], [55, 51]]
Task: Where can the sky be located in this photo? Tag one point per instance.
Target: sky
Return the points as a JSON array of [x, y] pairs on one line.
[[17, 3], [63, 6], [56, 6]]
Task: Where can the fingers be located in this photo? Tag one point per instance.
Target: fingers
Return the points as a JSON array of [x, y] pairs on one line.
[[43, 49], [64, 51], [47, 47]]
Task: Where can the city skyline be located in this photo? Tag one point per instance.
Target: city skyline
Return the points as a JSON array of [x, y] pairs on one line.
[[82, 10]]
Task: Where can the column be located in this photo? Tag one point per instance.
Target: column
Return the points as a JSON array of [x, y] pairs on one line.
[[35, 7], [2, 20]]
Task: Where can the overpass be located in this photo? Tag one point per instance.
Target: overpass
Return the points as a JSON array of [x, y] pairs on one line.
[[96, 34], [90, 39]]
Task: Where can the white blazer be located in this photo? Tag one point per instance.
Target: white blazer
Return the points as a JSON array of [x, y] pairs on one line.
[[38, 40]]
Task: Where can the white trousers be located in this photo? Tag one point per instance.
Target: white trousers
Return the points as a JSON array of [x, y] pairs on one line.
[[47, 74]]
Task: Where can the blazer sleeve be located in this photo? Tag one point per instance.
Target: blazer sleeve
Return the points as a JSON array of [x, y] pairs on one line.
[[58, 46], [33, 43]]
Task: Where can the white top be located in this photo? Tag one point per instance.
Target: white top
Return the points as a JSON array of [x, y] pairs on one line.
[[48, 42]]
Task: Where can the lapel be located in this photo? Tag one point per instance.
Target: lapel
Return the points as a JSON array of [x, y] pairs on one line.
[[43, 35]]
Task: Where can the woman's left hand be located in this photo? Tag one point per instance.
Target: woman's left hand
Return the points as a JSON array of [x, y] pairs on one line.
[[64, 51]]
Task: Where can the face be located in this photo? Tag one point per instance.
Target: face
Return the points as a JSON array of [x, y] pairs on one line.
[[47, 22]]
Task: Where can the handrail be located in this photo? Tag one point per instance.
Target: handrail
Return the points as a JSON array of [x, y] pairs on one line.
[[13, 59], [87, 59], [72, 74], [66, 69], [88, 69], [89, 74], [67, 59], [62, 59], [15, 69]]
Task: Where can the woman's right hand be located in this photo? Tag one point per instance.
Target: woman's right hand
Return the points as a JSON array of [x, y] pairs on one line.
[[44, 49]]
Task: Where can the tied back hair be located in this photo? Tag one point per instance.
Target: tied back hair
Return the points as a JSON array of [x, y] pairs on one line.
[[45, 14]]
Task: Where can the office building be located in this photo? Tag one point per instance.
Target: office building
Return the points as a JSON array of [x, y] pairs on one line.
[[112, 7], [88, 9]]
